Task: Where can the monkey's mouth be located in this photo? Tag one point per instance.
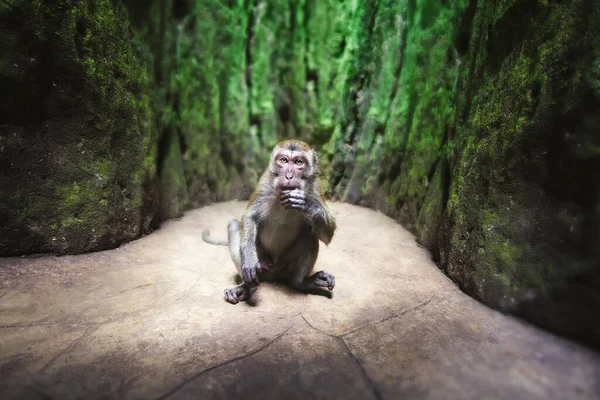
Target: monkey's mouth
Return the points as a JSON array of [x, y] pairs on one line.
[[289, 185]]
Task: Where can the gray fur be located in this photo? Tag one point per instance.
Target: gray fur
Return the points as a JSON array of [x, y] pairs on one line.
[[278, 236], [206, 237]]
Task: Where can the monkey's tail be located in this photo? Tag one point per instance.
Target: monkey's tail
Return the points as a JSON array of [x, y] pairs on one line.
[[206, 237]]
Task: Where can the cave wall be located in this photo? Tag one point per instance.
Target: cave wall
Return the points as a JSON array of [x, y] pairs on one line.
[[77, 139], [521, 226], [471, 122]]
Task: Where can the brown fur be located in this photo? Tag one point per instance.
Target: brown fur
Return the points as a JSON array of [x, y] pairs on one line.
[[277, 237]]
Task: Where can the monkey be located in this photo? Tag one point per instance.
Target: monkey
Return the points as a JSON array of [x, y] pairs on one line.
[[277, 237]]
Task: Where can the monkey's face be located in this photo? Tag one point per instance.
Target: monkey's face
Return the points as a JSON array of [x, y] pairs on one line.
[[291, 168]]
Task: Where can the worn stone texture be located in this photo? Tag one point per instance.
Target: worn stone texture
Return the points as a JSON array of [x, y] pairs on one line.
[[148, 320]]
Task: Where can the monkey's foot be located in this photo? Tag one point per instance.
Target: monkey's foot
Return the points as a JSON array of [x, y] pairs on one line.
[[239, 293], [320, 279]]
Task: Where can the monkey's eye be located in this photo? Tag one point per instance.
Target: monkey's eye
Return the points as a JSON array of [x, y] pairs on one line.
[[298, 161], [283, 160]]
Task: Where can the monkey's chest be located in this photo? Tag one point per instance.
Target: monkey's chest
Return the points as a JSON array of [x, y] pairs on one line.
[[279, 231]]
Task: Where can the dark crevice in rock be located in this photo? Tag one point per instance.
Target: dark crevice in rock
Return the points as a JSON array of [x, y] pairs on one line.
[[81, 31], [341, 48], [411, 9], [362, 79], [398, 69], [388, 317], [320, 330], [413, 101], [64, 351], [463, 34], [337, 174], [571, 172], [160, 53], [211, 183], [311, 74], [35, 324], [149, 220], [29, 95], [292, 21], [254, 120], [394, 169], [446, 178], [183, 148], [435, 164], [225, 139], [354, 120], [372, 385], [284, 110], [474, 73], [249, 42], [181, 9], [357, 105], [163, 149], [138, 11], [190, 26], [508, 33]]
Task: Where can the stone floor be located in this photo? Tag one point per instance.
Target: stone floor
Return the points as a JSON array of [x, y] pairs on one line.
[[148, 320]]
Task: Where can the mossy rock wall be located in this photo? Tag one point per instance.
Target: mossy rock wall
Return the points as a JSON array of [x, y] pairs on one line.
[[474, 124], [520, 229], [229, 84], [77, 138]]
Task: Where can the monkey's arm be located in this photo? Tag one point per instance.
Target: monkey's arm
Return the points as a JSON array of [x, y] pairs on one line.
[[323, 223], [315, 212], [250, 267]]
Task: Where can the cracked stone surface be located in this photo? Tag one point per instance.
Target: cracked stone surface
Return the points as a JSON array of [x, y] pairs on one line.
[[148, 320]]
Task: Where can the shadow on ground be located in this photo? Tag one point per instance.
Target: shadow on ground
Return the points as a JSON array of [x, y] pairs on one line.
[[148, 320]]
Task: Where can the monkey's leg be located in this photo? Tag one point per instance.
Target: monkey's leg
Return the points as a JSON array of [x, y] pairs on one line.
[[319, 279], [233, 238], [301, 260], [241, 292]]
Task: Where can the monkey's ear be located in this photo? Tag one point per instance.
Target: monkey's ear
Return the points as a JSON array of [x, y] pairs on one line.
[[315, 160]]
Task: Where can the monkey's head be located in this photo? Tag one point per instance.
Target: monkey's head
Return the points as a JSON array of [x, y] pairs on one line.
[[293, 165]]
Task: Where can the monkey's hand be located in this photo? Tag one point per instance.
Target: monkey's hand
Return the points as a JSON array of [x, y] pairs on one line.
[[295, 200], [250, 272], [314, 213]]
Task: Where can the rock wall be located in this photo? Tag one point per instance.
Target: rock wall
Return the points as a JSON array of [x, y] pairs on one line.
[[77, 140], [522, 224], [473, 123]]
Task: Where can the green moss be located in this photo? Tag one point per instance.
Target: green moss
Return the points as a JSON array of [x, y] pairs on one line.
[[80, 194], [70, 221]]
